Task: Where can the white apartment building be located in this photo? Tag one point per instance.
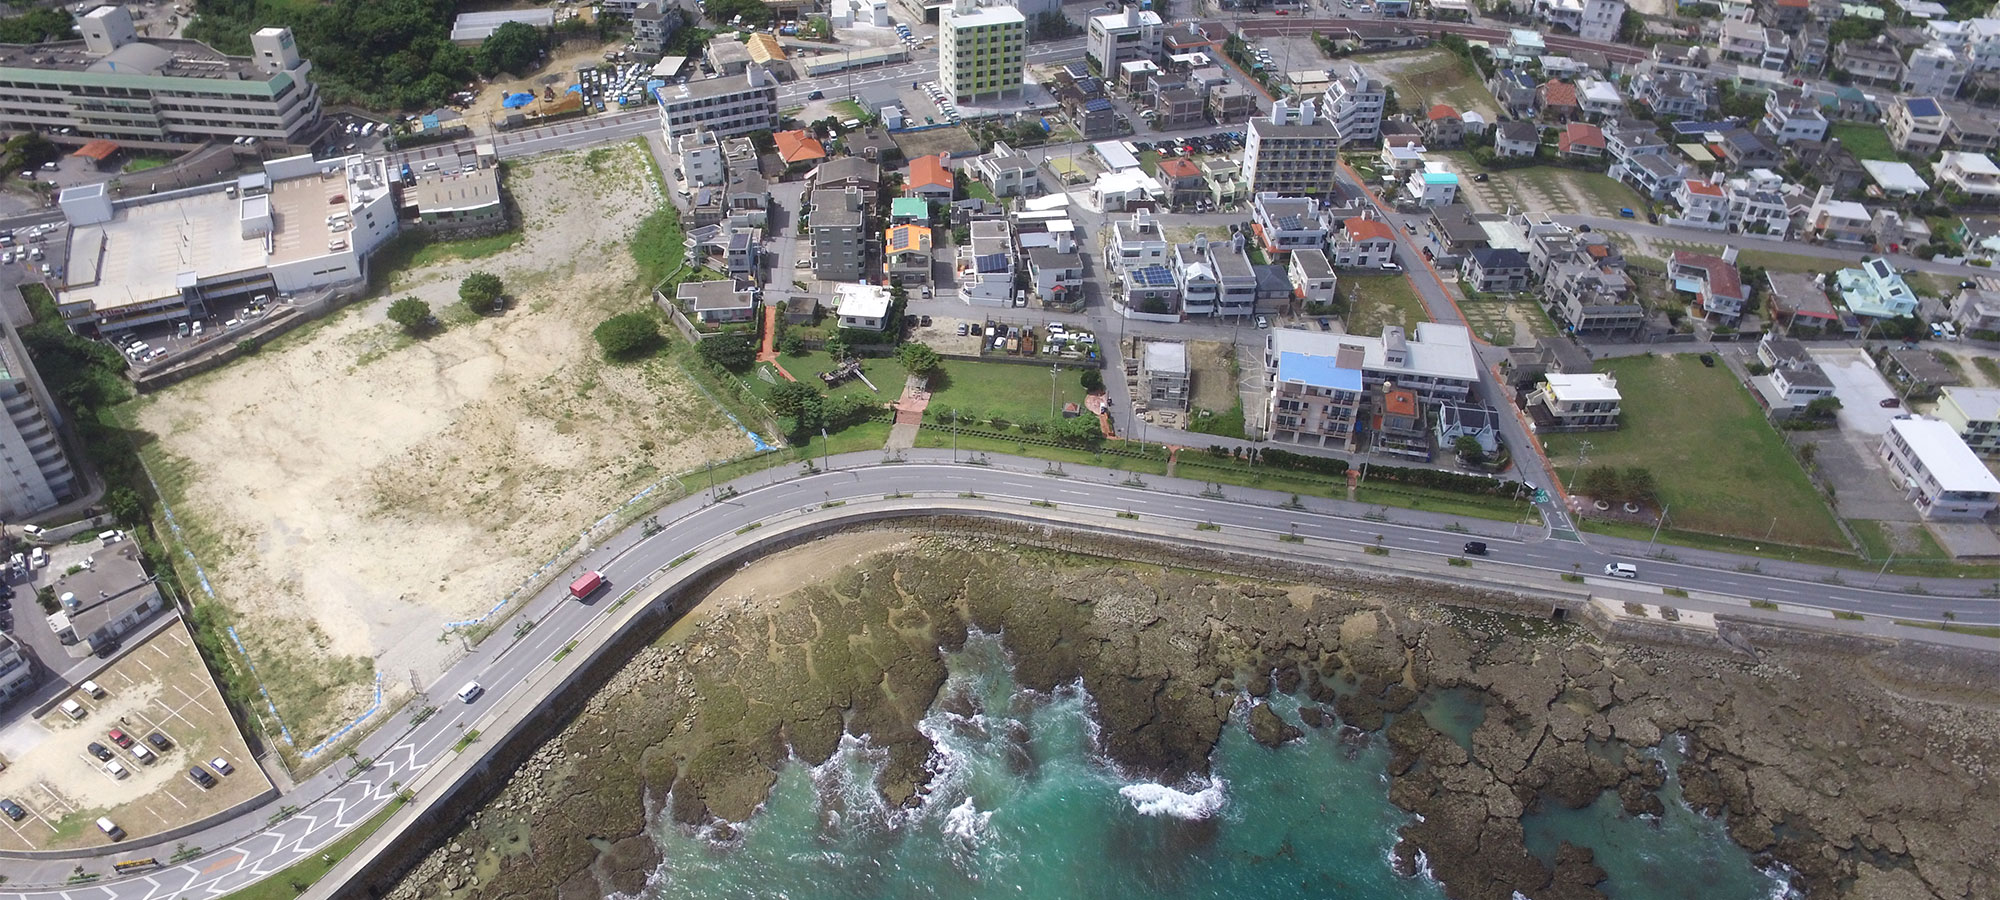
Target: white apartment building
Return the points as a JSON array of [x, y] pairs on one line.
[[1116, 38], [1975, 414], [1438, 362], [17, 674], [986, 265], [1353, 105], [1008, 172], [1292, 150], [1284, 224], [1313, 278], [1974, 174], [701, 158], [1937, 471], [1916, 124], [1581, 401], [1315, 390], [728, 106], [157, 94], [1756, 204], [981, 51], [1976, 39], [1594, 20], [34, 473], [1136, 243], [1935, 70]]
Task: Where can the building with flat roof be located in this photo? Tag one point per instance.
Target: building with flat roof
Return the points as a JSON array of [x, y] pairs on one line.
[[473, 27], [461, 204], [299, 225], [981, 51], [1975, 414], [1315, 397], [1163, 370], [1937, 471], [1875, 290], [1438, 362], [1293, 150], [1584, 401], [728, 106], [36, 474], [1114, 38], [156, 94], [863, 306], [105, 598]]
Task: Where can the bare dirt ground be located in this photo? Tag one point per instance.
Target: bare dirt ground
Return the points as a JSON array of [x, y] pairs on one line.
[[1211, 383], [559, 72], [349, 490]]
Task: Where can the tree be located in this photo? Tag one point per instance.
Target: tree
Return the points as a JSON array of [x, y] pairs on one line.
[[480, 292], [734, 351], [628, 336], [1468, 449], [1093, 381], [919, 359], [1600, 483], [1637, 485], [413, 314], [512, 48], [789, 398], [1823, 407], [124, 504], [1078, 430], [836, 348]]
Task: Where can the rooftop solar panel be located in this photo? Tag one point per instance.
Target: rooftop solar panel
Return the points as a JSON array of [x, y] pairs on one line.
[[1923, 106], [1153, 277], [990, 262]]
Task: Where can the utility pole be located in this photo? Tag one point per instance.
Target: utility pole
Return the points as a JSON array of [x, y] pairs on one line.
[[710, 465], [1054, 371], [1657, 525], [1885, 568], [826, 451]]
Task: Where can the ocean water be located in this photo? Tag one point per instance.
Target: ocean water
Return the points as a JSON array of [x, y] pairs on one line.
[[1024, 805]]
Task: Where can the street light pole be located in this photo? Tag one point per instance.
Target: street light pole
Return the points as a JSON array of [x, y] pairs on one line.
[[1885, 568], [1054, 371], [1657, 525]]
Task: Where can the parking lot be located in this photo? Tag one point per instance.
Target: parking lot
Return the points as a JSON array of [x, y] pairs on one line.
[[62, 785]]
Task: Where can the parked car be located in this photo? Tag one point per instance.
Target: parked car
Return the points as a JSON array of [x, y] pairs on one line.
[[1890, 403], [121, 738], [12, 809], [159, 742], [100, 751], [201, 778]]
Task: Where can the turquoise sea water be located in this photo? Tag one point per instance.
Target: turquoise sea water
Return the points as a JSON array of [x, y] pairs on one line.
[[1024, 805]]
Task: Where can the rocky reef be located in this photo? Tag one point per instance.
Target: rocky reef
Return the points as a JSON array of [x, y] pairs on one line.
[[1866, 767]]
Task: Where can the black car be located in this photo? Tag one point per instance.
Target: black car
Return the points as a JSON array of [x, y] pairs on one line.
[[12, 809], [1475, 548], [201, 777], [159, 742], [100, 751], [1708, 361], [816, 95]]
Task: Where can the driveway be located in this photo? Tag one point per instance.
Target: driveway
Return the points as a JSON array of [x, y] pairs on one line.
[[1860, 388]]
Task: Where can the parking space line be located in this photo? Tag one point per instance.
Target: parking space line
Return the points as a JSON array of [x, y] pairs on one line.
[[170, 796]]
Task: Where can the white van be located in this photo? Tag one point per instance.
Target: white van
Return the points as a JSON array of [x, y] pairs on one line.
[[109, 537], [470, 692], [143, 755], [92, 688], [1621, 570], [115, 770], [111, 829], [73, 709]]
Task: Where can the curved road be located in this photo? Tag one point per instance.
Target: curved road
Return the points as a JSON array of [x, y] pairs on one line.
[[245, 849]]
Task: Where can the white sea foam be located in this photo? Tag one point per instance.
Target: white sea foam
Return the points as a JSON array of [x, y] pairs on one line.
[[966, 822], [1151, 799]]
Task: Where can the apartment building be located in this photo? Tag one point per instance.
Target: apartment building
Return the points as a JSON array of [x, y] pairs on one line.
[[1315, 390], [1575, 402], [1937, 471], [1871, 63], [981, 51], [1839, 221], [839, 246], [1592, 20], [986, 265], [701, 157], [1293, 150], [1934, 70], [1975, 414], [34, 472], [728, 106], [1313, 278], [1008, 172], [1163, 371], [653, 26], [1363, 242], [1972, 174], [17, 674], [1593, 301], [1875, 290], [1789, 117], [1438, 362], [1755, 204], [907, 254], [157, 94], [1116, 38], [1353, 104], [1284, 224], [1916, 125]]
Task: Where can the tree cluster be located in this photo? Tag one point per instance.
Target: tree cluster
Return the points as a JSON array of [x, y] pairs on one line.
[[1629, 485], [481, 292], [37, 25], [735, 351], [384, 54], [512, 48], [809, 409], [628, 336]]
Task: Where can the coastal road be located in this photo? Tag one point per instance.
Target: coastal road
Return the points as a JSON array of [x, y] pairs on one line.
[[245, 849]]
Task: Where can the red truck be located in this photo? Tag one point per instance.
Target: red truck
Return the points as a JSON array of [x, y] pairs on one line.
[[586, 584]]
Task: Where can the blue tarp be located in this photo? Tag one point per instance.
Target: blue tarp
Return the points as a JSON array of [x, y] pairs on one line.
[[430, 122], [574, 89], [516, 101]]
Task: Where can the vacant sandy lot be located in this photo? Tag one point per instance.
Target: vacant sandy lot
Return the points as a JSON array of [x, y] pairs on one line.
[[349, 490]]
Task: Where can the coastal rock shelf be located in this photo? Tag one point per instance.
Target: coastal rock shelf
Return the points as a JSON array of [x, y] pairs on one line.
[[1864, 768]]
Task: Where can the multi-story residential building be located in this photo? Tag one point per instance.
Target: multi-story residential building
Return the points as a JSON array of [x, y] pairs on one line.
[[1575, 402], [1810, 47], [720, 302], [1291, 151], [1438, 362], [1443, 127], [1595, 301], [701, 157], [1516, 140], [1397, 426], [1599, 99], [460, 204], [1977, 310], [1495, 270], [157, 94], [1137, 242], [1313, 278], [653, 26], [1837, 221], [1114, 38], [727, 106], [1353, 105], [1935, 71], [1657, 177], [1284, 224], [1057, 276], [1937, 471], [1179, 108], [1183, 181], [1194, 274], [1593, 20], [838, 246], [1703, 204], [1754, 44], [1148, 292], [1236, 279], [1672, 94], [1434, 185], [1756, 204], [1872, 63], [907, 249], [1315, 391], [1163, 371], [1975, 414], [1916, 125], [1969, 127], [1008, 172], [1517, 93], [1363, 242], [986, 264], [17, 673], [1972, 174], [1795, 380], [1875, 290], [1789, 117], [1715, 282], [35, 474], [1785, 15], [980, 51]]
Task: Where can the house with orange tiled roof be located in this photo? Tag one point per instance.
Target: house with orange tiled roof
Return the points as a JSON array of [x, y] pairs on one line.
[[1397, 427], [1363, 242], [1558, 101], [799, 148], [1183, 180], [1581, 140], [1716, 284], [907, 249], [928, 178], [1703, 203], [1443, 127]]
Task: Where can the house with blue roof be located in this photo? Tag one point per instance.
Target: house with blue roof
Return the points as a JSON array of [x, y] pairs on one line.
[[1875, 290], [1434, 186], [1316, 399]]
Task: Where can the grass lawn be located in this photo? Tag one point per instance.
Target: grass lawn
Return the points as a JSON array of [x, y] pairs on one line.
[[1015, 392], [1787, 262], [141, 163], [1150, 161], [1877, 541], [1609, 194], [978, 190], [1863, 140], [847, 109], [1430, 77], [1720, 467], [1378, 300], [885, 372]]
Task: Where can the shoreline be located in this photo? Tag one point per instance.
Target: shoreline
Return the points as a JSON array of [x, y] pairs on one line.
[[1274, 642]]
